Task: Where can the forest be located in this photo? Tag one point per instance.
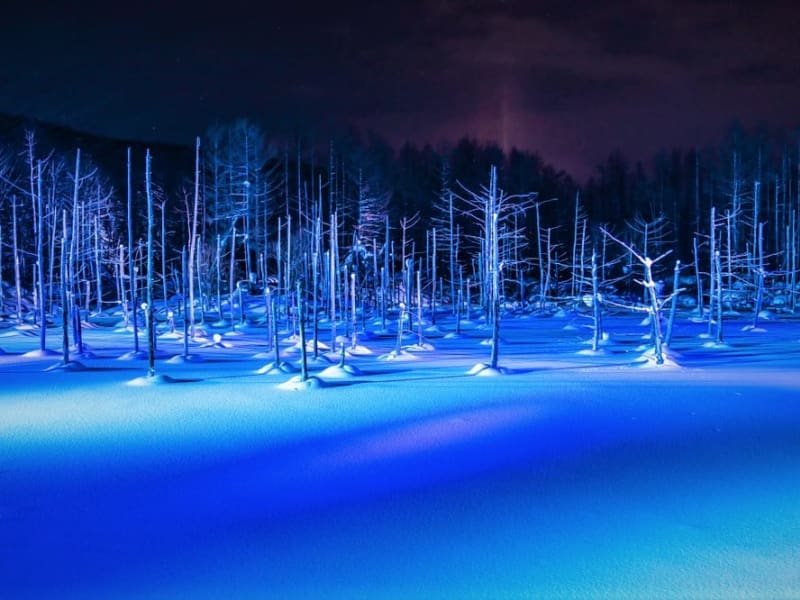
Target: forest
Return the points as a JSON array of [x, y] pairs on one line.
[[367, 230]]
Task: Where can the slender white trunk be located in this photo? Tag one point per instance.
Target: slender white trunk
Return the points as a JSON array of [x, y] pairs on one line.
[[193, 235], [15, 248], [712, 289], [149, 312], [131, 269]]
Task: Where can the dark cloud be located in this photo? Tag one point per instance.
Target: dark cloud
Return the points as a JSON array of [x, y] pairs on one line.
[[554, 90], [570, 79], [765, 74]]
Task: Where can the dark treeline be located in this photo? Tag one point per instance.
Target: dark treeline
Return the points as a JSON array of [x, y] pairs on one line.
[[749, 173], [248, 210]]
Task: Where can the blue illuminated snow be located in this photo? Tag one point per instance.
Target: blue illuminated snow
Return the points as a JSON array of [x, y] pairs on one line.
[[573, 475]]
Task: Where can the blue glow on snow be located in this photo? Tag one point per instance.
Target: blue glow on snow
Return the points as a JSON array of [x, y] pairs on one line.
[[578, 476]]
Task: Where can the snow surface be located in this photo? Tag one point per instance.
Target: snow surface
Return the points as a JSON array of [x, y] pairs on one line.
[[569, 474]]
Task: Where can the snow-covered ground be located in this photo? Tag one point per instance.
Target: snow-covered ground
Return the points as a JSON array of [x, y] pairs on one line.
[[573, 475]]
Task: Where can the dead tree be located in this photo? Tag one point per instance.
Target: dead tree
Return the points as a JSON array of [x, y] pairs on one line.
[[654, 304]]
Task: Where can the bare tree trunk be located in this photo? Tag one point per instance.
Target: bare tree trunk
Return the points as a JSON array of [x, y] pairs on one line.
[[71, 256], [98, 265], [759, 274], [575, 266], [674, 305], [314, 300], [40, 259], [332, 279], [186, 282], [539, 257], [582, 258], [149, 312], [419, 308], [596, 308], [193, 235], [793, 262], [123, 293], [301, 319], [494, 250], [131, 268], [231, 277], [756, 224], [353, 313], [495, 298], [2, 291], [698, 279], [385, 274], [453, 246], [400, 320], [718, 271], [655, 312], [17, 279], [712, 291], [163, 247], [65, 309], [433, 281], [274, 320]]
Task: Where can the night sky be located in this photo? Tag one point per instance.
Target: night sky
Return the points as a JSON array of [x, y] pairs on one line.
[[570, 80]]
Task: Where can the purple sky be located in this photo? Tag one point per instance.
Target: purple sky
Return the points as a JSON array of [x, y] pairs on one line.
[[570, 80]]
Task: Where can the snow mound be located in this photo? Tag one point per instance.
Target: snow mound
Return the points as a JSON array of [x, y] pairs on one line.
[[171, 335], [484, 370], [323, 359], [296, 384], [453, 336], [341, 372], [647, 360], [395, 355], [752, 329], [141, 355], [134, 355], [147, 380], [275, 369], [321, 346], [712, 345], [72, 365], [105, 320], [605, 340], [423, 347], [358, 350], [126, 329], [180, 359], [46, 353], [590, 352]]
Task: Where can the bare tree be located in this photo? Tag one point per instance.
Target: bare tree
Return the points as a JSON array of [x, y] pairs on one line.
[[654, 303], [493, 211]]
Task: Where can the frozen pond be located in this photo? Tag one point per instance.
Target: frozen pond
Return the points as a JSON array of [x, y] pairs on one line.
[[573, 475]]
